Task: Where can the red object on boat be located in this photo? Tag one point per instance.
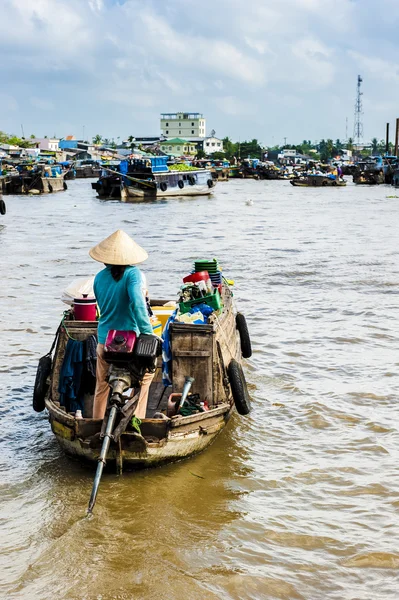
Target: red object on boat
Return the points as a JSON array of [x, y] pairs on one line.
[[195, 277], [85, 309], [119, 345]]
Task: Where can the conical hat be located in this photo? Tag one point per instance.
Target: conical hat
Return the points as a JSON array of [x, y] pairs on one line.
[[119, 249]]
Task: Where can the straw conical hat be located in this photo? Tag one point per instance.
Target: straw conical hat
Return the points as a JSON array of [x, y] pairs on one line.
[[119, 249]]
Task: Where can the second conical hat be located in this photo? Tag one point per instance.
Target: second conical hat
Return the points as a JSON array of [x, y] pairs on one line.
[[119, 249]]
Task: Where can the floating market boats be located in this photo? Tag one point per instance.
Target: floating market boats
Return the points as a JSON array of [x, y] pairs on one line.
[[139, 180], [209, 353], [268, 170], [369, 171], [317, 181], [34, 179]]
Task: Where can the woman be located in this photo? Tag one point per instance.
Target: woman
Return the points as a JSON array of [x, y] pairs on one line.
[[119, 294]]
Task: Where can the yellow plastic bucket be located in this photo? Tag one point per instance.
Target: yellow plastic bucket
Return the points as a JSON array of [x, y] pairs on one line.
[[156, 326], [163, 313]]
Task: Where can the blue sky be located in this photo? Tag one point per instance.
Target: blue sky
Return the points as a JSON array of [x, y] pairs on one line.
[[265, 69]]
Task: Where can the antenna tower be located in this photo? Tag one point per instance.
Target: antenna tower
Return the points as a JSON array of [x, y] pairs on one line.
[[358, 127]]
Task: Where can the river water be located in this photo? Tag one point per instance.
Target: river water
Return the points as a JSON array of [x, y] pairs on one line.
[[298, 500]]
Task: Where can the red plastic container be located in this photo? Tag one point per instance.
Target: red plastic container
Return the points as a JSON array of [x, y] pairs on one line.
[[195, 277], [85, 309], [119, 345]]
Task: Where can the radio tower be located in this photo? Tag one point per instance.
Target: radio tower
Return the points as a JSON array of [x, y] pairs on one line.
[[358, 128]]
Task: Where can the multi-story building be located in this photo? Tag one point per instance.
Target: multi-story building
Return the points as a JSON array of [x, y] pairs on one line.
[[45, 143], [183, 125], [179, 147]]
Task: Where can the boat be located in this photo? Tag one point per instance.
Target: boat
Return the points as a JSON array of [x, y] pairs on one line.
[[110, 181], [219, 169], [369, 171], [395, 178], [248, 169], [3, 208], [210, 353], [317, 181], [151, 179], [34, 179], [390, 163], [268, 170], [87, 168]]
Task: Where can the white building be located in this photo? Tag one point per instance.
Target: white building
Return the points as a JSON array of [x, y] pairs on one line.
[[183, 125], [45, 143], [212, 144]]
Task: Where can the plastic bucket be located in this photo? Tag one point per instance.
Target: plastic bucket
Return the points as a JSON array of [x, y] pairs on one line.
[[85, 309]]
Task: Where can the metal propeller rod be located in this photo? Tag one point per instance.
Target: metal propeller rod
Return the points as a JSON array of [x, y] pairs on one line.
[[102, 457], [119, 381]]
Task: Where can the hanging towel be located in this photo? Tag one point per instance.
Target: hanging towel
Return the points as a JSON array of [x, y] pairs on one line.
[[91, 354], [167, 352], [70, 376]]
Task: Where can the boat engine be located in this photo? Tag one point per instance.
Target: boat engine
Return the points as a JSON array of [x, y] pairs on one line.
[[130, 357]]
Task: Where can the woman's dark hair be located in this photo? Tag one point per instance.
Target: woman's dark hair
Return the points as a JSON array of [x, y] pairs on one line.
[[117, 271]]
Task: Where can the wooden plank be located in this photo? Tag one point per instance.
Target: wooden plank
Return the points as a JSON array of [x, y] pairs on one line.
[[184, 341], [193, 353]]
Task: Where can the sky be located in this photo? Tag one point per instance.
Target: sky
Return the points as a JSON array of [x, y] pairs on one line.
[[261, 69]]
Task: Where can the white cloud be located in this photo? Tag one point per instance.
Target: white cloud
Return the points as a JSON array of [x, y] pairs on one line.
[[378, 68], [249, 68]]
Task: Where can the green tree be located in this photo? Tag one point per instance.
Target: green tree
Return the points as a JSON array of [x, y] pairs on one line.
[[349, 144], [131, 139], [97, 139], [218, 155], [230, 148], [374, 146], [200, 154], [338, 146]]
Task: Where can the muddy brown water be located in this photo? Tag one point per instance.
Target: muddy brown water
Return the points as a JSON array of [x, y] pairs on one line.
[[298, 500]]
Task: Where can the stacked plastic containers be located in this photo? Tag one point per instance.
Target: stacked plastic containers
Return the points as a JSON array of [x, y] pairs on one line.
[[212, 267]]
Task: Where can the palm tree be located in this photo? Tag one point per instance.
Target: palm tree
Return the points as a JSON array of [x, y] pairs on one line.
[[131, 139], [374, 146], [349, 144], [97, 139]]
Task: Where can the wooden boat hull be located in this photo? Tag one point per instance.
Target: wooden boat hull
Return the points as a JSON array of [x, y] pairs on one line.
[[33, 185], [369, 179], [135, 194], [313, 182], [182, 440]]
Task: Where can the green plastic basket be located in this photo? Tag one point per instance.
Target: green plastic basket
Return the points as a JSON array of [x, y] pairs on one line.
[[213, 300]]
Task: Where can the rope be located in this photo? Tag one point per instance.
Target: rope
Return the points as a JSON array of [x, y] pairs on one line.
[[65, 327], [141, 181]]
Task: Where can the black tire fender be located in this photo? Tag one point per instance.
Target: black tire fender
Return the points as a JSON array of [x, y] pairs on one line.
[[191, 180], [41, 386], [3, 209], [163, 186], [65, 186], [210, 183], [239, 388], [50, 187], [180, 183], [242, 328]]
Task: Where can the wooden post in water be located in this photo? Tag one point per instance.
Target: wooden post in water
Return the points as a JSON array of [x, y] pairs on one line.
[[397, 137], [387, 140]]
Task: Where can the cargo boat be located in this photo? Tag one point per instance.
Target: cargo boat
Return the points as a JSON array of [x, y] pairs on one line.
[[210, 353]]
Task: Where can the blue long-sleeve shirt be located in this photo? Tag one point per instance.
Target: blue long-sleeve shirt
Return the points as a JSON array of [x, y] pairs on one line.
[[121, 303]]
